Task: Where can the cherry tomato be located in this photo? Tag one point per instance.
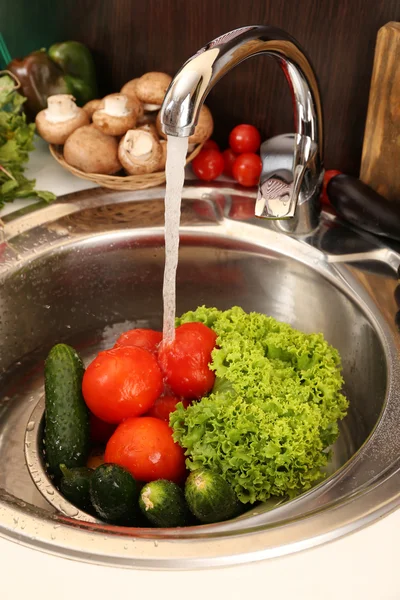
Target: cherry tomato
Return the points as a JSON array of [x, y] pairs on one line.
[[164, 406], [229, 158], [143, 338], [185, 360], [327, 177], [100, 431], [208, 164], [247, 169], [244, 138], [122, 382], [210, 145], [145, 447]]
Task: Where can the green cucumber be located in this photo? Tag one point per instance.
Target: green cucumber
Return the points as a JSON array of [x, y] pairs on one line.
[[67, 433], [75, 486], [163, 504], [114, 494], [210, 498]]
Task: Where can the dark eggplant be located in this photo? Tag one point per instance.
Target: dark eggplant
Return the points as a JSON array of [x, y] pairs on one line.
[[361, 206]]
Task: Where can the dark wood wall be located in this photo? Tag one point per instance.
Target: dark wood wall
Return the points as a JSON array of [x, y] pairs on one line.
[[130, 37]]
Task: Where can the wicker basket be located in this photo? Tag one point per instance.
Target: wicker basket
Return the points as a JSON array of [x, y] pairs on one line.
[[118, 182]]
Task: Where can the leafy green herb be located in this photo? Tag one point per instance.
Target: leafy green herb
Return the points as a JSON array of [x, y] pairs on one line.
[[16, 141], [273, 413]]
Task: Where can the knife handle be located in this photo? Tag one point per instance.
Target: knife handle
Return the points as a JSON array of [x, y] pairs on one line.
[[361, 206]]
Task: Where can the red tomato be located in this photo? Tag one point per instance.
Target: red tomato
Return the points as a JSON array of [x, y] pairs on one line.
[[100, 431], [164, 406], [208, 164], [122, 382], [229, 158], [143, 338], [210, 145], [327, 177], [185, 361], [247, 169], [244, 138], [145, 447]]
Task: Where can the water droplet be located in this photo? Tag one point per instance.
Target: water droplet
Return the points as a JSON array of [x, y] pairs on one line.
[[69, 510], [155, 457], [53, 536], [155, 543], [126, 547], [49, 491], [68, 326], [47, 306], [31, 426]]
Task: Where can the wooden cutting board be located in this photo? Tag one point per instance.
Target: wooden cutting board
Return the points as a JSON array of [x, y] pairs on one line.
[[380, 164]]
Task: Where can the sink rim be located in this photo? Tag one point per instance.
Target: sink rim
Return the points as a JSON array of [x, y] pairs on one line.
[[110, 548], [291, 535]]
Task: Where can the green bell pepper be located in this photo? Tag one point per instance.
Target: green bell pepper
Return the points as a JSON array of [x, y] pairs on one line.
[[76, 61]]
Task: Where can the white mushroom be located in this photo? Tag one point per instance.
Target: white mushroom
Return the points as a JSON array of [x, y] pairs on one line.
[[92, 151], [129, 89], [203, 131], [117, 114], [146, 118], [151, 88], [151, 128], [91, 106], [61, 117], [140, 152]]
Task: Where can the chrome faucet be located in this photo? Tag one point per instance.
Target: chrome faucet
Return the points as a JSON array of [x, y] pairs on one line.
[[292, 164]]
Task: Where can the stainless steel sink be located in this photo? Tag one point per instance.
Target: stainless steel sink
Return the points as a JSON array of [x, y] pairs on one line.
[[91, 265]]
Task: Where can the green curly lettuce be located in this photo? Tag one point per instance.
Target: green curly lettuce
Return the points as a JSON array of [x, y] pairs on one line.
[[274, 409], [16, 142]]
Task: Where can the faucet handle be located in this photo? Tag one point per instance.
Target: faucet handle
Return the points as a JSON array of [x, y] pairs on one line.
[[285, 161]]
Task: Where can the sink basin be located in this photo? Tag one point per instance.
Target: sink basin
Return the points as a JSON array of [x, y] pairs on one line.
[[86, 268]]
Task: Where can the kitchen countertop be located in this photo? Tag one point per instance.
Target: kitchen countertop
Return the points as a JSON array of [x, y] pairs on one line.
[[361, 566]]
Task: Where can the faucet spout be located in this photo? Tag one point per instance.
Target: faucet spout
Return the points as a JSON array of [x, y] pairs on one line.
[[283, 187]]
